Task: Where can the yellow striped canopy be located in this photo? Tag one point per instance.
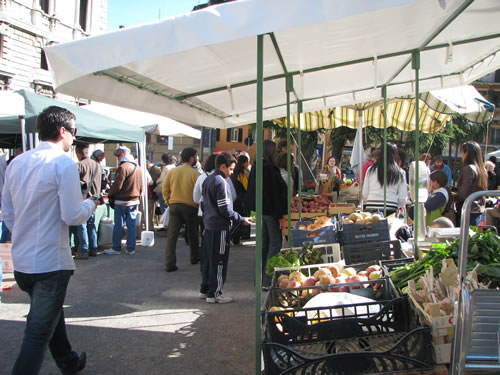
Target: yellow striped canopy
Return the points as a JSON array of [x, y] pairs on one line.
[[434, 112]]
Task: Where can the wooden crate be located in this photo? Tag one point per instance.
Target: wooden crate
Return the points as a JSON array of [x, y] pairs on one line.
[[295, 219], [342, 208]]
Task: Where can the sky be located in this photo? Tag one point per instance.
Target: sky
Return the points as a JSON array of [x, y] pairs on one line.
[[133, 12]]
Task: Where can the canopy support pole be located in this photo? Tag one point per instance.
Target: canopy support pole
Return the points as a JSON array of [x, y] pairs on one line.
[[289, 88], [360, 158], [415, 65], [299, 153], [23, 132], [258, 201], [384, 93]]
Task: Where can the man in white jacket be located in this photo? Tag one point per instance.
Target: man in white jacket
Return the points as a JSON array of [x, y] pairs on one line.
[[41, 198]]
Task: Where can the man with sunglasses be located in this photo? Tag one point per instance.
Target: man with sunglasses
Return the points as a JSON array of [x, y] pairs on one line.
[[40, 199]]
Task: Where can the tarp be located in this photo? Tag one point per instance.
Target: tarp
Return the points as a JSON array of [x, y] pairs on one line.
[[200, 67], [92, 127], [152, 124], [11, 104], [435, 108]]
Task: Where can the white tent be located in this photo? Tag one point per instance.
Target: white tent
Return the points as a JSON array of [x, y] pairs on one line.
[[238, 63], [200, 67], [153, 124], [11, 104]]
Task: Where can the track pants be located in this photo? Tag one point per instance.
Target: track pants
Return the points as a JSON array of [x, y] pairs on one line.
[[214, 262]]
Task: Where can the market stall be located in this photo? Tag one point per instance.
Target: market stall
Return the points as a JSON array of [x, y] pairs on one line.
[[324, 54]]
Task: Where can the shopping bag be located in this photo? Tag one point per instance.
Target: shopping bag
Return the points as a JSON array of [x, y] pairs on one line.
[[164, 218]]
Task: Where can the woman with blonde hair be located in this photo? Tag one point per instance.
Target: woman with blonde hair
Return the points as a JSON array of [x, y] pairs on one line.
[[472, 178]]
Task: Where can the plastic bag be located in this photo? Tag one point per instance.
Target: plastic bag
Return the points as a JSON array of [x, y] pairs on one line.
[[164, 218]]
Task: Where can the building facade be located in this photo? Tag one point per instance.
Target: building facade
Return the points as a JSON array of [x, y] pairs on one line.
[[27, 26]]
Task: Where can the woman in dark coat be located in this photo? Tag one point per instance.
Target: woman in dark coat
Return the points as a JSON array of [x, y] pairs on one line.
[[274, 204], [472, 178]]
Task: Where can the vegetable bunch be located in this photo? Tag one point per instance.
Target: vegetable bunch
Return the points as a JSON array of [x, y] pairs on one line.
[[484, 248]]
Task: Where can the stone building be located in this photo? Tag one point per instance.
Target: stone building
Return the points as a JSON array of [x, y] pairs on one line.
[[26, 26]]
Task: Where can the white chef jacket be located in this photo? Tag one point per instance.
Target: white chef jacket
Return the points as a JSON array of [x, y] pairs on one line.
[[40, 199]]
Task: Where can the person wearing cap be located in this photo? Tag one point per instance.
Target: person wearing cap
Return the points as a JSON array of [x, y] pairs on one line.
[[98, 156], [126, 192], [440, 166]]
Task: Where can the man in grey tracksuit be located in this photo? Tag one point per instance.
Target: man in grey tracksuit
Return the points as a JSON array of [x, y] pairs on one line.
[[218, 216]]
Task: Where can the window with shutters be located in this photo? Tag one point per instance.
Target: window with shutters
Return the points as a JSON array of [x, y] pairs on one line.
[[217, 135], [234, 135]]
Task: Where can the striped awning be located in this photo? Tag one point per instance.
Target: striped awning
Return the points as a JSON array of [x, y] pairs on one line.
[[435, 109]]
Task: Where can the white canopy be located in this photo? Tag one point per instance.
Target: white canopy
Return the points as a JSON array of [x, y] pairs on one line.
[[11, 104], [151, 123], [200, 67]]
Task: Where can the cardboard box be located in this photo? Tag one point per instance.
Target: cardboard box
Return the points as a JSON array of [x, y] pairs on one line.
[[441, 332], [342, 208], [6, 256]]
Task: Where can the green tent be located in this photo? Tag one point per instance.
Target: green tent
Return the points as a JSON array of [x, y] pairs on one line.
[[92, 127]]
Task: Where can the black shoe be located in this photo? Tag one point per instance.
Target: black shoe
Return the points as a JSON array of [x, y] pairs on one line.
[[172, 269], [92, 254], [80, 365], [161, 229], [195, 261]]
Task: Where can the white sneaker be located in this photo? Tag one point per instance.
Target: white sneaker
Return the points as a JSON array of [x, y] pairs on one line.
[[219, 299], [203, 295], [112, 252], [131, 252]]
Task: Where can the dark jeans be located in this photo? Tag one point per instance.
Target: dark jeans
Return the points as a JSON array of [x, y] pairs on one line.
[[87, 236], [179, 214], [271, 244], [45, 323]]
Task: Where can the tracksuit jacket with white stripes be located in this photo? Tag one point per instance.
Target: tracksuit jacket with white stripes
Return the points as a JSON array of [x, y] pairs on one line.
[[218, 213]]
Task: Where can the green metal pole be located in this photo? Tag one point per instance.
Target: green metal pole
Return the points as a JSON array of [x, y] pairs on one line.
[[289, 88], [258, 202], [415, 64], [298, 156], [384, 93]]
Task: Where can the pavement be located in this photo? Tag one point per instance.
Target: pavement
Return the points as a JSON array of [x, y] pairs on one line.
[[132, 317]]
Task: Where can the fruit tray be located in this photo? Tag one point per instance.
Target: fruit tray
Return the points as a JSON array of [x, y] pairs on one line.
[[359, 343]]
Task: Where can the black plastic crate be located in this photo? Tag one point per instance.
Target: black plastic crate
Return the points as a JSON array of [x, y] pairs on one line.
[[379, 354], [295, 323], [391, 264], [389, 341], [362, 233], [372, 251]]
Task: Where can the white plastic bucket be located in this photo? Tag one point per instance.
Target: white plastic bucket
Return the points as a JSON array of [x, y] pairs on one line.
[[147, 238]]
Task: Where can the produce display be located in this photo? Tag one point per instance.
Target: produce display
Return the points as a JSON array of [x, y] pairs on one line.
[[331, 274], [293, 258], [320, 222], [437, 295], [313, 204], [362, 218], [484, 252]]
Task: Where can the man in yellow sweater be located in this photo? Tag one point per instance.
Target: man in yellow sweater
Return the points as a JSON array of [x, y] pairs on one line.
[[177, 192]]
